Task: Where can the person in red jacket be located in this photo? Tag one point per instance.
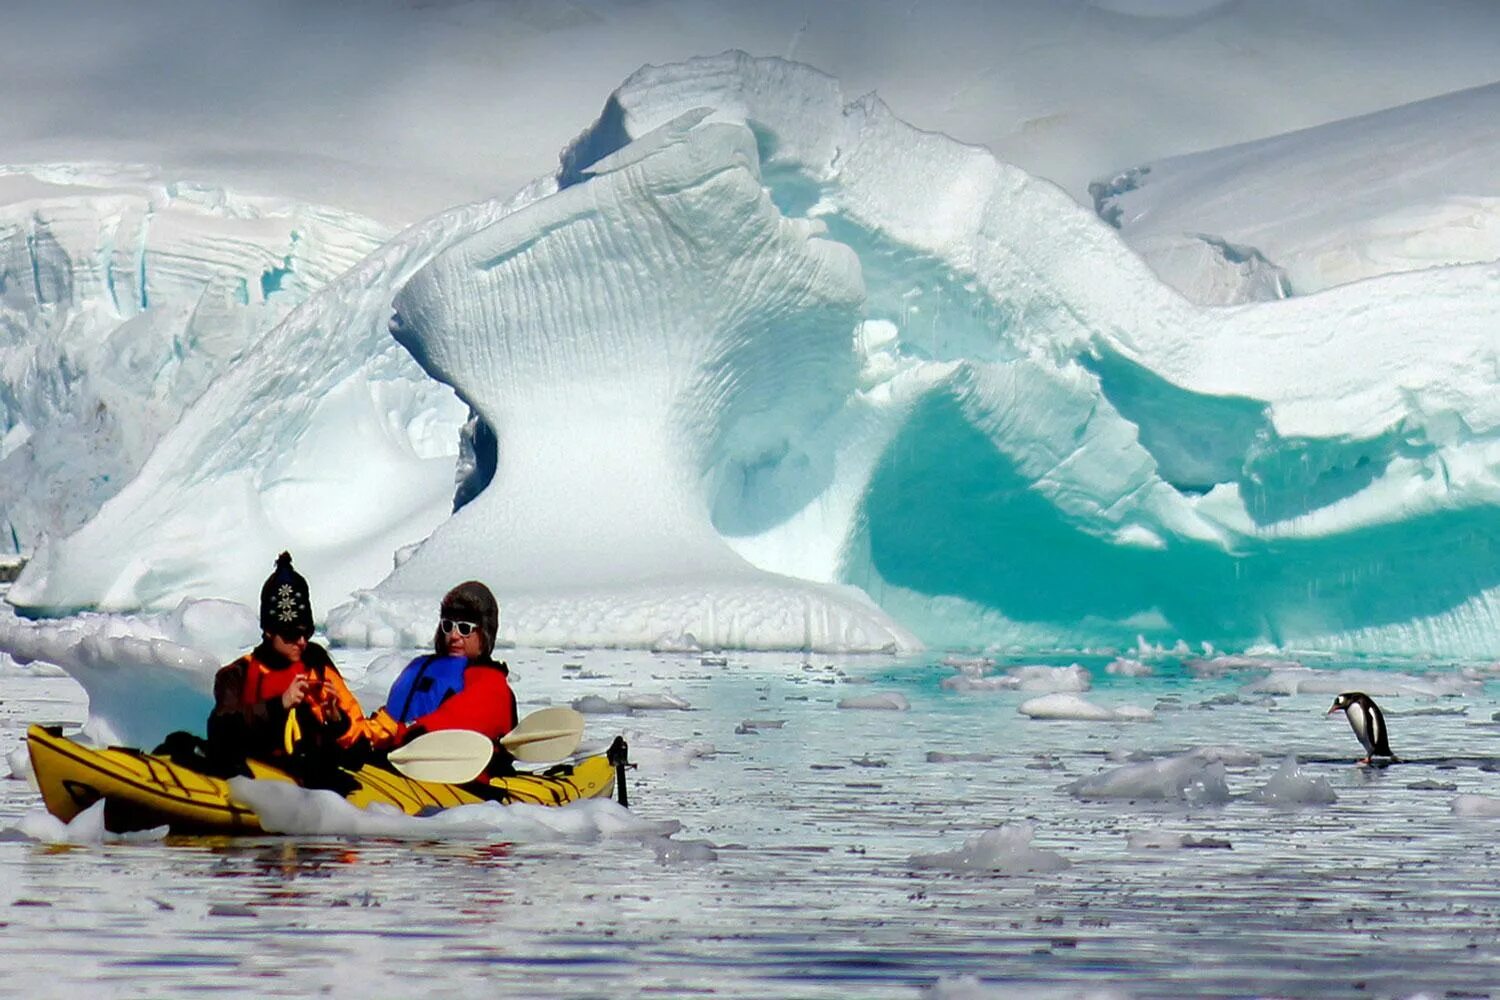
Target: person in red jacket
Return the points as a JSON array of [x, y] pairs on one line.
[[460, 685]]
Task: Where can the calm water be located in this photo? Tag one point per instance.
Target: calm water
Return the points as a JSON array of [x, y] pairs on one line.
[[811, 892]]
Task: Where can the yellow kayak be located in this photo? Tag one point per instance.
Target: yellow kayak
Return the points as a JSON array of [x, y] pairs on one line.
[[142, 790]]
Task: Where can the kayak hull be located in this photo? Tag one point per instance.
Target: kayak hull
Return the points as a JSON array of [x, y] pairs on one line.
[[142, 791]]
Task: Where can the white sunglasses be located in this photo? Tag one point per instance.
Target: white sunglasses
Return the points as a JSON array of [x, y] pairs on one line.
[[464, 628]]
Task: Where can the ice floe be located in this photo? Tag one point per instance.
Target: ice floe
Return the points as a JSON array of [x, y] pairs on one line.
[[19, 762], [1486, 806], [975, 676], [85, 828], [1071, 706], [145, 675], [1006, 850], [884, 701], [1190, 777], [1125, 667], [1290, 787], [287, 808]]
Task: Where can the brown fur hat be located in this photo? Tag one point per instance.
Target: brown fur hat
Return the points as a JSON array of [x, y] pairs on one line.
[[470, 601]]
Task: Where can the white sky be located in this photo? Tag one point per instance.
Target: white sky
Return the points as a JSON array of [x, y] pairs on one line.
[[400, 108]]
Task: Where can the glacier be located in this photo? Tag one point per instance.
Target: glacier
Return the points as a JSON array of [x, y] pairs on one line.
[[122, 294], [1402, 189], [763, 366]]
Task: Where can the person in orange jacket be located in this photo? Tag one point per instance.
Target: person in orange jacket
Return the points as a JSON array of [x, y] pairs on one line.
[[284, 699], [458, 686]]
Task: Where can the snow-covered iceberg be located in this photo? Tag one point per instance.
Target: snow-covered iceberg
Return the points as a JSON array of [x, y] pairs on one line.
[[1402, 189], [319, 434], [639, 344], [756, 343], [122, 295]]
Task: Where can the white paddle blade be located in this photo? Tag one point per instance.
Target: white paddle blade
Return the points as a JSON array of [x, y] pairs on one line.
[[451, 756], [548, 734]]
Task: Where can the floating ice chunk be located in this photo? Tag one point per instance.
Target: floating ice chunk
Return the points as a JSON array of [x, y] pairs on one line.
[[1032, 679], [1123, 667], [19, 761], [1476, 805], [676, 642], [593, 704], [142, 679], [1305, 680], [1189, 777], [886, 701], [1290, 787], [287, 808], [1071, 706], [645, 702], [1041, 679], [1219, 666], [655, 753], [1229, 756], [1006, 849], [679, 852], [978, 664], [85, 828]]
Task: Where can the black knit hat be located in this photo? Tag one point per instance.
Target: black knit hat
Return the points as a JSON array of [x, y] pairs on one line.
[[471, 601], [285, 609]]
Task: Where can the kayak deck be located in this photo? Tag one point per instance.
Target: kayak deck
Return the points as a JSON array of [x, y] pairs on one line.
[[142, 791]]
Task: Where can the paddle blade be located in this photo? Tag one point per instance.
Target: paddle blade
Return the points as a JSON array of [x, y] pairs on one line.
[[548, 734], [451, 756]]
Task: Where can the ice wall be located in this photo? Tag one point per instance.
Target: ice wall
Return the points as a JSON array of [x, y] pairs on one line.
[[1048, 446], [322, 437], [1402, 189], [121, 296], [629, 339], [759, 343]]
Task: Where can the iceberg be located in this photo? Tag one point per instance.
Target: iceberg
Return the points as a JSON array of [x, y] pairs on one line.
[[122, 295], [321, 435], [772, 368], [1316, 208]]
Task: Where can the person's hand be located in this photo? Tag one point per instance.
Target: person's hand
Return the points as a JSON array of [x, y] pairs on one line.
[[295, 692]]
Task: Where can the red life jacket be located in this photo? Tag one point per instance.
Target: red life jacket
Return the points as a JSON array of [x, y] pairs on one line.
[[262, 683]]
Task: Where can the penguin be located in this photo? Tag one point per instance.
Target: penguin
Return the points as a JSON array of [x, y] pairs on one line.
[[1368, 723]]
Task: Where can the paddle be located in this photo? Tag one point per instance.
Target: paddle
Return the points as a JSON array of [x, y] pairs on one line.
[[454, 756]]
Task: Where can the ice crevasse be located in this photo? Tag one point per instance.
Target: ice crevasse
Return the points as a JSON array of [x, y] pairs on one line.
[[762, 366]]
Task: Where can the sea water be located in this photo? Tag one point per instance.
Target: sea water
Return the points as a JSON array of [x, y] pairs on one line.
[[828, 851]]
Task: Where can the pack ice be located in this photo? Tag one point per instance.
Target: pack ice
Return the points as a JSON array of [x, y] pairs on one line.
[[762, 366]]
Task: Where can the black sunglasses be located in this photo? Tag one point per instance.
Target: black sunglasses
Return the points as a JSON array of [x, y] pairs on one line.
[[464, 628], [293, 633]]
